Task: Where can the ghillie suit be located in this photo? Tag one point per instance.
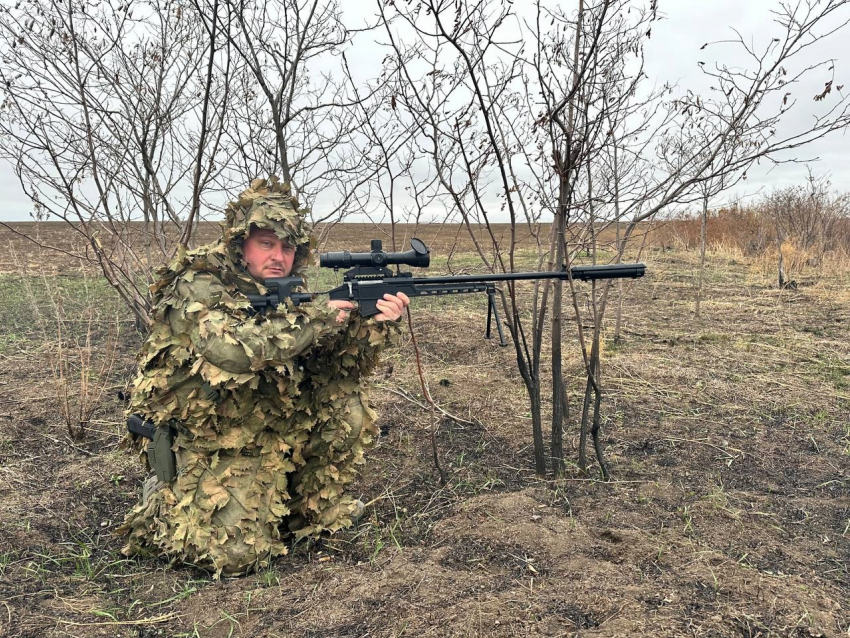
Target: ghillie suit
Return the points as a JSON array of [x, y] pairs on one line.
[[271, 411]]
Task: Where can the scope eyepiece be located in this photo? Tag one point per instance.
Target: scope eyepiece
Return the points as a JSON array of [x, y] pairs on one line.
[[418, 256]]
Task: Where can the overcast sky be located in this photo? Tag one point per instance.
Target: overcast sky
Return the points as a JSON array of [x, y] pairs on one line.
[[674, 52], [672, 56]]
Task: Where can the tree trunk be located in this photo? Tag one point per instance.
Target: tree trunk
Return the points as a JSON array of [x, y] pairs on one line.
[[559, 391], [702, 237], [532, 385], [560, 408], [597, 442], [582, 441], [537, 431]]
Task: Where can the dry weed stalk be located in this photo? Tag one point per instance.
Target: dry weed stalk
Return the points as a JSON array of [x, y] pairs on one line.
[[79, 380]]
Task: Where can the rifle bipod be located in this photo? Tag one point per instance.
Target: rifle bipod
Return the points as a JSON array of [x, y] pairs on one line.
[[493, 311]]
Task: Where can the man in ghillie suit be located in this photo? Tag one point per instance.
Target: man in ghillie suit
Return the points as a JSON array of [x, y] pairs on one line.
[[269, 413]]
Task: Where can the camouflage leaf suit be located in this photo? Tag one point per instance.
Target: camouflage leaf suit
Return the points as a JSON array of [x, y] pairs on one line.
[[271, 411]]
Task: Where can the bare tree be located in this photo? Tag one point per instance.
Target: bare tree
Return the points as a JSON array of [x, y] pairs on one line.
[[708, 190], [109, 112], [531, 110], [123, 119], [302, 113], [804, 219]]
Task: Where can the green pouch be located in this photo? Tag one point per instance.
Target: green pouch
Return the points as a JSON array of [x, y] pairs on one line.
[[161, 456]]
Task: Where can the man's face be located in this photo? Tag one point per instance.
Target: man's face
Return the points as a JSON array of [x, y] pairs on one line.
[[266, 255]]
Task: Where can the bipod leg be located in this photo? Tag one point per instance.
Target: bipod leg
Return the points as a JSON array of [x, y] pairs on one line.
[[493, 311]]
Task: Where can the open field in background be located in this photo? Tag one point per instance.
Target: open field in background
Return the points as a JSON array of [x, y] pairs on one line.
[[728, 438], [445, 241]]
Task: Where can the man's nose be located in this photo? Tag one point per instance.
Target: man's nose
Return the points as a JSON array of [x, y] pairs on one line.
[[278, 253]]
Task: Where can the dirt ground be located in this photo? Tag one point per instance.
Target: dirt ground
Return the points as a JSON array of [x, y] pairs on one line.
[[728, 438]]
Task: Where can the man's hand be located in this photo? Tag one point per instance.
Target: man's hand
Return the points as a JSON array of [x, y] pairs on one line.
[[344, 308], [392, 307]]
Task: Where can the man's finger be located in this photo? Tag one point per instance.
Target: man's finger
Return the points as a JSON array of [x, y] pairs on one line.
[[388, 310], [341, 304], [393, 302], [391, 310], [399, 299], [392, 306]]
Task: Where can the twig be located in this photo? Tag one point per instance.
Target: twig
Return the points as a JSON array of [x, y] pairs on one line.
[[404, 395], [28, 399], [428, 398], [716, 447], [68, 441], [141, 621]]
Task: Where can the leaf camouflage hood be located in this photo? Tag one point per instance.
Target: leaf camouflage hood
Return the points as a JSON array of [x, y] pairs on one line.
[[270, 411], [268, 204]]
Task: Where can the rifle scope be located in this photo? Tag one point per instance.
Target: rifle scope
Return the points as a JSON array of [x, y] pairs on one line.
[[419, 255]]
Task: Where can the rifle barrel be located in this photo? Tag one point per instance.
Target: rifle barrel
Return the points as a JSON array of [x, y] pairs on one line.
[[582, 273]]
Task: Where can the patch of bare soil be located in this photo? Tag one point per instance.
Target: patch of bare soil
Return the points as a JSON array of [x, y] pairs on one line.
[[728, 515]]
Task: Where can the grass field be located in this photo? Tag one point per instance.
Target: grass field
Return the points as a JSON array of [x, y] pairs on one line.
[[728, 438]]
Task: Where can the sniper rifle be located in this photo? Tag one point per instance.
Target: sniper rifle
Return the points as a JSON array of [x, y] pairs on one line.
[[370, 278]]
